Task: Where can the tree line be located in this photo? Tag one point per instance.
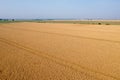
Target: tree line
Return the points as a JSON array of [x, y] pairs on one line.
[[7, 19]]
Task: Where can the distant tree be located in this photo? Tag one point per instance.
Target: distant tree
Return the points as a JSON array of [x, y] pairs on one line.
[[99, 23], [13, 19]]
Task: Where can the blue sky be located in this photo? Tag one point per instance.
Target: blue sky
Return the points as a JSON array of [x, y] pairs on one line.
[[79, 9]]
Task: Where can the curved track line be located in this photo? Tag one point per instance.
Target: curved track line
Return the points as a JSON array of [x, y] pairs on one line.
[[57, 60], [60, 34]]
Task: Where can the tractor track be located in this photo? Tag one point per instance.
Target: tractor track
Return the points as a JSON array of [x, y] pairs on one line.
[[62, 62], [67, 35]]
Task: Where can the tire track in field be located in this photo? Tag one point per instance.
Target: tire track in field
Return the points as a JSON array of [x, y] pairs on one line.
[[62, 62], [69, 35]]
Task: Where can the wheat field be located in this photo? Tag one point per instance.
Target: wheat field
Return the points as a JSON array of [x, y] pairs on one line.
[[48, 51]]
